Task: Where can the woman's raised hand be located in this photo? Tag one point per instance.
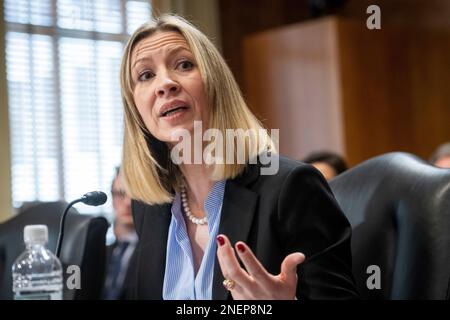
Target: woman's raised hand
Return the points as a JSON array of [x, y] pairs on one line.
[[254, 282]]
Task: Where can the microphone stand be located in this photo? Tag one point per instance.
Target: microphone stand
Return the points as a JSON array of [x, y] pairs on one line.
[[61, 225], [94, 198]]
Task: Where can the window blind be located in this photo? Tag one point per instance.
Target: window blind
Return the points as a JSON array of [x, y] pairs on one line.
[[66, 118]]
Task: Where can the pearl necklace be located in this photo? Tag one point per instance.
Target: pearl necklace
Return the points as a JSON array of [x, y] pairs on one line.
[[187, 210]]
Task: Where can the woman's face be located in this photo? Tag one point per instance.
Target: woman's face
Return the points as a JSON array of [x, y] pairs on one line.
[[168, 88]]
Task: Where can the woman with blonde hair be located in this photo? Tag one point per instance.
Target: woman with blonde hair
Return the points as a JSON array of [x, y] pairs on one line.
[[232, 219]]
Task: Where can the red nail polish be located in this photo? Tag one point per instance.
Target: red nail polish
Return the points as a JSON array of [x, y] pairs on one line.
[[240, 247], [220, 240]]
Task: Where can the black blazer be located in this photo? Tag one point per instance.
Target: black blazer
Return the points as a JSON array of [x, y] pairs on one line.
[[291, 211]]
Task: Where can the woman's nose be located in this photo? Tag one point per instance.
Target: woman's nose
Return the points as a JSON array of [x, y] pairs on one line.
[[166, 86]]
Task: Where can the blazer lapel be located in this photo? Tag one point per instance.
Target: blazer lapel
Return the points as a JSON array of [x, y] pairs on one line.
[[238, 208], [153, 245]]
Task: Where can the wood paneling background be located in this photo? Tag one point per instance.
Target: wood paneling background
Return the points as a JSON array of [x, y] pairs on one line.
[[292, 82], [334, 84], [239, 19], [396, 91]]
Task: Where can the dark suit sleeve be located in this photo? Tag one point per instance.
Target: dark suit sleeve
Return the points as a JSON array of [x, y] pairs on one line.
[[130, 287], [311, 222]]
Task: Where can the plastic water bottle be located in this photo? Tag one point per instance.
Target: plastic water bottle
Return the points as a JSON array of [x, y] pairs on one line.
[[37, 272]]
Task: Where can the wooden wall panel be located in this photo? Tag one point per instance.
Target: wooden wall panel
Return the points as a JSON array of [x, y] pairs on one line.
[[334, 84], [406, 13], [395, 89], [430, 90], [375, 81], [292, 81], [239, 19]]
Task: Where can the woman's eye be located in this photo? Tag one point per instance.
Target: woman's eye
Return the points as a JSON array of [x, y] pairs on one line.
[[185, 65], [146, 75]]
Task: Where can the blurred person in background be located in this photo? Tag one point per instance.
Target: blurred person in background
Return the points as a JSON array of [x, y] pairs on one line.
[[441, 157], [118, 254], [330, 164]]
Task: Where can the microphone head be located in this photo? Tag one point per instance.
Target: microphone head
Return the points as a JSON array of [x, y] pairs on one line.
[[94, 198]]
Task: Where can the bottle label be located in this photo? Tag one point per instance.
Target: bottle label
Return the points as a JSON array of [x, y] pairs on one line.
[[39, 296]]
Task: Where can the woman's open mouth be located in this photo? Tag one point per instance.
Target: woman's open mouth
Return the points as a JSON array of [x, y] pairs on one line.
[[173, 111]]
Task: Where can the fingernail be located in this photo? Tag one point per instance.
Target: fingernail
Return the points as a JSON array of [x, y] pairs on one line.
[[220, 240], [240, 247]]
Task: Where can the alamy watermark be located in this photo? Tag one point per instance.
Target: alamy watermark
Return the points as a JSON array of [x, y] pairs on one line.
[[374, 20], [374, 280], [235, 146], [74, 279]]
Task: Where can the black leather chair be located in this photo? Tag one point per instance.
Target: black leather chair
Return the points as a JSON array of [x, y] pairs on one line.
[[83, 245], [399, 209]]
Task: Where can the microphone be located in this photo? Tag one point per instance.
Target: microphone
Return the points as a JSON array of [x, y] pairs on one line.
[[93, 198]]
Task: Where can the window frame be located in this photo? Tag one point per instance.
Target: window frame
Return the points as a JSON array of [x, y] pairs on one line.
[[56, 33]]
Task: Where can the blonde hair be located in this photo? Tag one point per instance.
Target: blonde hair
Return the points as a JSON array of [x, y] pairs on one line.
[[148, 173]]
